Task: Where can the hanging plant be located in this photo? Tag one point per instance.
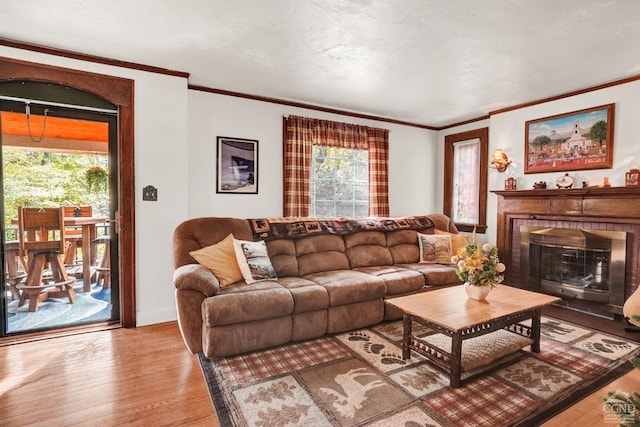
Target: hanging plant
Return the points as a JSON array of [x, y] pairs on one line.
[[97, 178]]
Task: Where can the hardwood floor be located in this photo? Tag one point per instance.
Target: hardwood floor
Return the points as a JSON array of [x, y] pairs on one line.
[[589, 412], [144, 377]]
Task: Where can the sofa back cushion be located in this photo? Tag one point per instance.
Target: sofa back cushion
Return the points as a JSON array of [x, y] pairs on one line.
[[442, 222], [283, 257], [403, 245], [367, 249], [197, 233], [320, 253]]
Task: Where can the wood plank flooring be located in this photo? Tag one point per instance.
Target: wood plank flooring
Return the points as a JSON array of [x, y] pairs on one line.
[[120, 377], [589, 412], [144, 377]]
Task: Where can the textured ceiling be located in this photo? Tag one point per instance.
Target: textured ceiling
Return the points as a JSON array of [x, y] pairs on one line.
[[429, 62]]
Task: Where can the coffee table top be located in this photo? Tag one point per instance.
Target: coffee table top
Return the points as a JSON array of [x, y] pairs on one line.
[[452, 309]]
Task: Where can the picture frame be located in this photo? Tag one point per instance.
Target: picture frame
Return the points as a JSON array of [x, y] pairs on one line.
[[578, 140], [236, 165]]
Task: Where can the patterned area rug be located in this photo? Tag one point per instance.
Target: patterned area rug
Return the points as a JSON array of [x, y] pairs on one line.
[[359, 379]]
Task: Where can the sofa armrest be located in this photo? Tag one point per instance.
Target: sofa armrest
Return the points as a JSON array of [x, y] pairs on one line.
[[196, 277]]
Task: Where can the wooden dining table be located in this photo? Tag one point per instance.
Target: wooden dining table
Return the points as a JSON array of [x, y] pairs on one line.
[[88, 226]]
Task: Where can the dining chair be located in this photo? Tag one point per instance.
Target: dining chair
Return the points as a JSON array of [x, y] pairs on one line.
[[104, 268], [42, 240], [74, 234], [15, 267]]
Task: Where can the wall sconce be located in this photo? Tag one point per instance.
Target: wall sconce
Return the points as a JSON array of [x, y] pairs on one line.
[[500, 161]]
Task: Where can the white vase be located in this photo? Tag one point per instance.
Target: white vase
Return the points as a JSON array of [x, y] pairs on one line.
[[477, 292]]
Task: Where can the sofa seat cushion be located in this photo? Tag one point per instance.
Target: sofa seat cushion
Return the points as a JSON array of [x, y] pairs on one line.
[[435, 274], [398, 280], [349, 286], [240, 303], [227, 340], [307, 295]]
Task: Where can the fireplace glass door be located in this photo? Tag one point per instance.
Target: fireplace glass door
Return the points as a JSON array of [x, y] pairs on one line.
[[574, 263]]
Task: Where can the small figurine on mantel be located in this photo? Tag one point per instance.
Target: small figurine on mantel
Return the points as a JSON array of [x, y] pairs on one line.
[[540, 185], [632, 178], [510, 183]]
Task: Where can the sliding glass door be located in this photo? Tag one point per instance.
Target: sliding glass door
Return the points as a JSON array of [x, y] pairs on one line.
[[58, 151]]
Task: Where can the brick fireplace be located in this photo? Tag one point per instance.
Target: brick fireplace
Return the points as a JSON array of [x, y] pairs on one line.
[[584, 211]]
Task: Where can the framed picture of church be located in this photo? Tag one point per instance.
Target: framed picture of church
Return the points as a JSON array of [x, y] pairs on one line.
[[572, 141], [237, 165]]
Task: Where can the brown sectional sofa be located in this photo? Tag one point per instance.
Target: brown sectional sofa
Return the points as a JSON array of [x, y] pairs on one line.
[[327, 283]]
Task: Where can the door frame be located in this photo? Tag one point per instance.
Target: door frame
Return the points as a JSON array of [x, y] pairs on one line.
[[120, 92]]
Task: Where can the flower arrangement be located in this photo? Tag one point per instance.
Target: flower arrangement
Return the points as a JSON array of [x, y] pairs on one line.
[[479, 264]]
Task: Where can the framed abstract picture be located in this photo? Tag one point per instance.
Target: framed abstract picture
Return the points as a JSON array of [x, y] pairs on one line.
[[572, 141], [237, 165]]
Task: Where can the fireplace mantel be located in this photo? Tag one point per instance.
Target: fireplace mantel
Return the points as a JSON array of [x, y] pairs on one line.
[[606, 208]]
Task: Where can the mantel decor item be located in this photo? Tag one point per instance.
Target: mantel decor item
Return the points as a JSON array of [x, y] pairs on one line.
[[510, 183], [540, 185], [573, 141], [632, 178], [478, 266], [565, 181], [237, 165]]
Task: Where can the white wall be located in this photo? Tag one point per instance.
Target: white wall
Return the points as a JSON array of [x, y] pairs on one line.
[[161, 154], [412, 157]]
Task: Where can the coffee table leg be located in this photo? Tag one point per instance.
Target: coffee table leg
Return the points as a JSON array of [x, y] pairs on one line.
[[456, 360], [535, 332], [406, 336]]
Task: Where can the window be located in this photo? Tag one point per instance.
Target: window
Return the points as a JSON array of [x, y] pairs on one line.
[[465, 179], [334, 169], [339, 182]]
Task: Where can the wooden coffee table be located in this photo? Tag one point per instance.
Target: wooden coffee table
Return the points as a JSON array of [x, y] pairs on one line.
[[471, 334]]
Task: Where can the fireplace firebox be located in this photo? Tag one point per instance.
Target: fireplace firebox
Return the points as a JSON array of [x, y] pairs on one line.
[[574, 263]]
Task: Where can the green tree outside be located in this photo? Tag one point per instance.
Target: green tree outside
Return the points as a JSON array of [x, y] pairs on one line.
[[42, 179]]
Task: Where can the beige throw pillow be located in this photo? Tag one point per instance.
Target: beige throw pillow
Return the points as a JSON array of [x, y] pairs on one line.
[[221, 260], [435, 248]]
